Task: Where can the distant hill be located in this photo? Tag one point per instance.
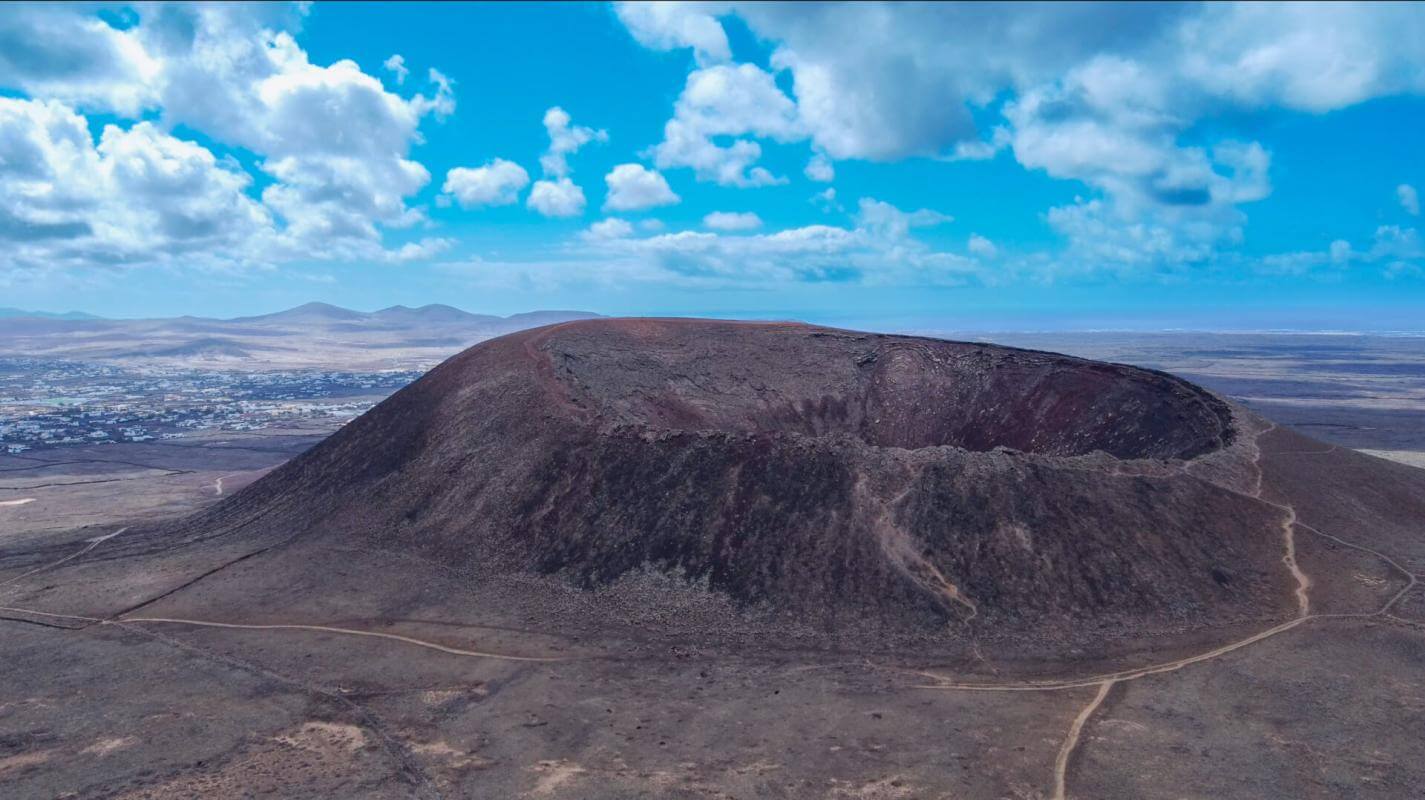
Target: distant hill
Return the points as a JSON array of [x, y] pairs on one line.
[[435, 312], [304, 313], [11, 313], [309, 336]]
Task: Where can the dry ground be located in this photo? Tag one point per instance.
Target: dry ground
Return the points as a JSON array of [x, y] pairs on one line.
[[400, 679]]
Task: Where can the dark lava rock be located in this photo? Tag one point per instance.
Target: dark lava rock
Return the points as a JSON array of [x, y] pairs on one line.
[[809, 472]]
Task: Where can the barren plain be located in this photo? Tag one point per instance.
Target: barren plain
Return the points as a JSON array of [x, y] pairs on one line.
[[143, 664]]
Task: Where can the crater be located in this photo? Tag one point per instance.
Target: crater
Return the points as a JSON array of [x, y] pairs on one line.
[[886, 391], [854, 483]]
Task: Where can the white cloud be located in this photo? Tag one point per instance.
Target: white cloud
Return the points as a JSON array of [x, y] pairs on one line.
[[1394, 251], [565, 140], [422, 250], [860, 100], [334, 142], [1098, 93], [1311, 57], [1397, 244], [137, 195], [820, 169], [733, 101], [732, 221], [69, 54], [396, 65], [556, 198], [670, 26], [497, 183], [1102, 235], [826, 200], [633, 187], [1409, 199], [878, 250], [977, 150], [982, 247], [889, 222], [1340, 251], [611, 228]]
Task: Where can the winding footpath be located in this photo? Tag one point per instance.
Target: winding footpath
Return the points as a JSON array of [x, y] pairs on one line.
[[124, 621], [1105, 682], [341, 631], [1061, 763], [92, 543]]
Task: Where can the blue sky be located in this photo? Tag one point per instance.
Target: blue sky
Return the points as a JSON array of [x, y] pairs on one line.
[[978, 167]]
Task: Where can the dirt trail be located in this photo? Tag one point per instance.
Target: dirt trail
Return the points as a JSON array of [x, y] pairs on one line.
[[93, 543], [1303, 582], [1066, 750], [343, 631], [1107, 681], [217, 485]]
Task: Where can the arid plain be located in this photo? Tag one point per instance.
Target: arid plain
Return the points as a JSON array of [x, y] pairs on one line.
[[141, 662]]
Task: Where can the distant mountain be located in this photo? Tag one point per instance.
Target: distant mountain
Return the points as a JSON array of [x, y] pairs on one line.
[[532, 319], [310, 336], [435, 312], [432, 314], [11, 313], [305, 313]]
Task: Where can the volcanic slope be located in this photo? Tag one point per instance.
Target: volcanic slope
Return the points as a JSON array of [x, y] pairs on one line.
[[895, 488]]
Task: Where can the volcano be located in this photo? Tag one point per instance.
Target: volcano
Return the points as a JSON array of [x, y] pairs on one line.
[[809, 473]]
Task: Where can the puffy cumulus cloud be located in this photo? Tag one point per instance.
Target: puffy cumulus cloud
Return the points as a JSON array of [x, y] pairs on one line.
[[732, 221], [878, 81], [557, 195], [565, 139], [826, 200], [556, 198], [872, 252], [1114, 125], [1102, 94], [611, 228], [1104, 236], [67, 53], [633, 187], [1308, 56], [1409, 199], [672, 26], [1401, 249], [396, 65], [497, 183], [1393, 250], [820, 169], [136, 195], [982, 247], [727, 101], [886, 82], [333, 141], [888, 222], [423, 250]]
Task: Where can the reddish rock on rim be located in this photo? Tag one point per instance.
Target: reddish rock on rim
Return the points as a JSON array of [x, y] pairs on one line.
[[848, 479]]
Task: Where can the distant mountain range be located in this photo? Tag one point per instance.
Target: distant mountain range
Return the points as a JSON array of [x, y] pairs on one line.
[[9, 313], [310, 336]]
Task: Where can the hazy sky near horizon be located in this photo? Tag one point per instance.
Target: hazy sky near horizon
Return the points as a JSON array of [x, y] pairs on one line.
[[978, 166]]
